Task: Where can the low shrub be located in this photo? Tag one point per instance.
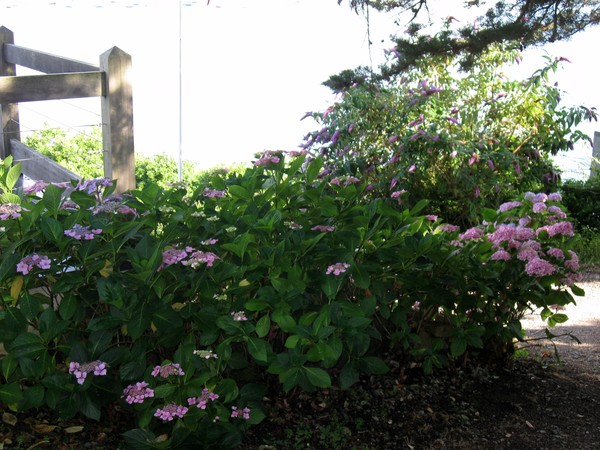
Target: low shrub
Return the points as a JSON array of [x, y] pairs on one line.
[[188, 307]]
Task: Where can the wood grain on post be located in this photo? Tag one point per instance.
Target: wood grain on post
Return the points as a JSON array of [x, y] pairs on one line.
[[117, 118], [9, 111]]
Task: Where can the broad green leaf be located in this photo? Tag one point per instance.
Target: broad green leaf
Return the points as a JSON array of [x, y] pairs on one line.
[[67, 307], [52, 229], [263, 325], [285, 321], [9, 364], [373, 365], [317, 377], [33, 396], [458, 346], [348, 376], [239, 192], [52, 198], [165, 390], [10, 393], [257, 348], [27, 345], [139, 439], [313, 170], [12, 176]]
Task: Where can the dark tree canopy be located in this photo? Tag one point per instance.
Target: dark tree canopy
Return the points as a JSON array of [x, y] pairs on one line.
[[524, 22]]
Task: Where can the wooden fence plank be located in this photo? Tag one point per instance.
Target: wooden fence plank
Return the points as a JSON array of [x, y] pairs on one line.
[[39, 167], [50, 87], [117, 119], [44, 62], [9, 112]]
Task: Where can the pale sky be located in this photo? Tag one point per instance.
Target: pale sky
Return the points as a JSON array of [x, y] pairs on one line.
[[251, 68]]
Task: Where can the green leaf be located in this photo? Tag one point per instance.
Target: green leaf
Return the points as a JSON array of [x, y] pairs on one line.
[[139, 439], [33, 396], [348, 376], [52, 229], [239, 192], [489, 215], [257, 348], [12, 177], [67, 307], [30, 306], [292, 341], [373, 365], [313, 170], [10, 393], [27, 345], [576, 290], [263, 326], [9, 364], [165, 390], [285, 321], [317, 377], [52, 197], [458, 346]]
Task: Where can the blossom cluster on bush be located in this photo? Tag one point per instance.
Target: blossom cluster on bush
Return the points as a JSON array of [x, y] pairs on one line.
[[81, 370]]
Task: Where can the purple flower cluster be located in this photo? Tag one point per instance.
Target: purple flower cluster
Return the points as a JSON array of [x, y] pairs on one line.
[[202, 401], [337, 269], [266, 159], [37, 186], [213, 193], [80, 371], [166, 370], [94, 185], [10, 211], [188, 256], [27, 264], [170, 411], [80, 232], [323, 228], [137, 393], [243, 413], [239, 316]]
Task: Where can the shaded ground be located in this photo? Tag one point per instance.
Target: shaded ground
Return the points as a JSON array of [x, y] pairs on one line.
[[535, 404]]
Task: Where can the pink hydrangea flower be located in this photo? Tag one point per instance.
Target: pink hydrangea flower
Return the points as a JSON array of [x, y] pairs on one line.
[[539, 207], [166, 370], [200, 257], [37, 186], [323, 228], [573, 262], [555, 197], [556, 253], [337, 269], [10, 211], [213, 193], [27, 264], [471, 234], [80, 232], [169, 412], [243, 413], [501, 255], [137, 393], [202, 401], [508, 206], [539, 267], [80, 371]]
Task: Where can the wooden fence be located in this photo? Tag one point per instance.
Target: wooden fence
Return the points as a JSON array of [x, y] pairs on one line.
[[67, 78]]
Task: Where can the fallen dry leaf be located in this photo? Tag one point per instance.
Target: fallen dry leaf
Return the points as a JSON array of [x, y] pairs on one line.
[[43, 428], [74, 429], [528, 423], [9, 419]]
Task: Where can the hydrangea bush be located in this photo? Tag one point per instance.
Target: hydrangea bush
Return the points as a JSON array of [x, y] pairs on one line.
[[187, 308]]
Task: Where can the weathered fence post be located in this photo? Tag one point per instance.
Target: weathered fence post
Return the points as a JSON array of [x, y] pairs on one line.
[[8, 111], [595, 165], [117, 118]]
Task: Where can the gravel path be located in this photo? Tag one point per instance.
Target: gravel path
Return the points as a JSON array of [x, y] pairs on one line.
[[584, 323]]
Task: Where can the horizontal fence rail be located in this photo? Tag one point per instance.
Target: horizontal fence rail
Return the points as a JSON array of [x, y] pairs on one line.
[[65, 78]]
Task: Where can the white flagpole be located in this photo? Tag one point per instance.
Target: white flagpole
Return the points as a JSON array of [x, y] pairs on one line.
[[180, 162]]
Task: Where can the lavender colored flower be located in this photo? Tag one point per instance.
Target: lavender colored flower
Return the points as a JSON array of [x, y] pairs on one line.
[[323, 228], [137, 393], [393, 138], [539, 267], [556, 253], [335, 181], [573, 262], [337, 269], [501, 255], [27, 264], [169, 412], [80, 232], [239, 316], [555, 197], [172, 256], [564, 228], [166, 370], [527, 254], [351, 180], [94, 185], [448, 228], [202, 401], [266, 159], [471, 234], [80, 371], [200, 257], [508, 206], [10, 211], [539, 207], [37, 186], [243, 413], [213, 193], [541, 197], [431, 217]]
